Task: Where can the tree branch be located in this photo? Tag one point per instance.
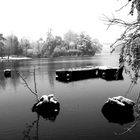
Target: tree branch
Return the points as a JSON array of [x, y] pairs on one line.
[[128, 129], [26, 84], [123, 6], [35, 81]]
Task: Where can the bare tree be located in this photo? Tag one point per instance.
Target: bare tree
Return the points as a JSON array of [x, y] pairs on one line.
[[129, 40], [130, 51]]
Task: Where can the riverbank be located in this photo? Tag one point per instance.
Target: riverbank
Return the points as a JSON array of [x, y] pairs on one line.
[[5, 58]]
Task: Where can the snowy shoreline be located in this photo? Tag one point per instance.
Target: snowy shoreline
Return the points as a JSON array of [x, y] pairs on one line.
[[14, 58]]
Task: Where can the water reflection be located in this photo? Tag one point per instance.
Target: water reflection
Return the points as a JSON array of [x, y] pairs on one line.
[[50, 115], [29, 127], [51, 73], [79, 101], [33, 127], [43, 67], [2, 80], [116, 114], [14, 78]]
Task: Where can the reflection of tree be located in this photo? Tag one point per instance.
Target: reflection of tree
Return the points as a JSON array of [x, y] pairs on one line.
[[76, 62], [29, 127], [51, 73], [43, 66], [2, 80], [51, 116], [14, 79]]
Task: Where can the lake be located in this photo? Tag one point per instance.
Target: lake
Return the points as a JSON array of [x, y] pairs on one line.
[[81, 102]]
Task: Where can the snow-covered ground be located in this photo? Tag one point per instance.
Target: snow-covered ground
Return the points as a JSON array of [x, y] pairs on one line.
[[14, 58]]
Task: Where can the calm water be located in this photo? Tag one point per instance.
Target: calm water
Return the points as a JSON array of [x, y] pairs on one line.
[[80, 116]]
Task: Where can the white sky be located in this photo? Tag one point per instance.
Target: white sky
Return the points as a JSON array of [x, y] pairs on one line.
[[33, 18]]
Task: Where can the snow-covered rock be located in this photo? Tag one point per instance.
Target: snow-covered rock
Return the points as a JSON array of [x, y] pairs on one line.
[[7, 73], [119, 110], [121, 101], [46, 103]]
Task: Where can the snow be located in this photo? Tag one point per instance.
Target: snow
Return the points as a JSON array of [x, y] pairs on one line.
[[14, 58]]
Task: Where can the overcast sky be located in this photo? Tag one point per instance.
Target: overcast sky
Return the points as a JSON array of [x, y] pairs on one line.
[[33, 18]]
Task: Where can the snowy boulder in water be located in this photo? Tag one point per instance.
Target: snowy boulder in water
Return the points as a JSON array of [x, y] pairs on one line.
[[119, 110], [46, 102], [47, 106], [7, 73], [121, 101]]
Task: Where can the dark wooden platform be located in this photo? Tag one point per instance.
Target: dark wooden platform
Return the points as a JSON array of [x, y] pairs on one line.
[[75, 74]]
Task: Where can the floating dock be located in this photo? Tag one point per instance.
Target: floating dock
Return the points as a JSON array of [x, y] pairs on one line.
[[75, 74]]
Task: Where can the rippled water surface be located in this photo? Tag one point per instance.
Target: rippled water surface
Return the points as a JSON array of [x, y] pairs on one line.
[[80, 116]]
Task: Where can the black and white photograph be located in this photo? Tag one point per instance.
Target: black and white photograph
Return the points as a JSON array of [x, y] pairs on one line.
[[69, 70]]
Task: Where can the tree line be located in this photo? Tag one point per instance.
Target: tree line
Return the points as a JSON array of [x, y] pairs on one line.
[[72, 44]]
